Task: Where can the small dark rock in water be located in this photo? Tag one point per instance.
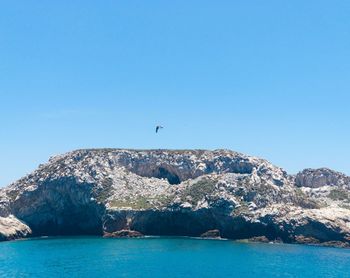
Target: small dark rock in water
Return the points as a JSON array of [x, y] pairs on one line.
[[262, 239], [306, 240], [278, 240], [314, 241], [211, 234], [339, 244], [123, 234]]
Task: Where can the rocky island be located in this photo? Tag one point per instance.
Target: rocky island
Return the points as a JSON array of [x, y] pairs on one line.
[[221, 193]]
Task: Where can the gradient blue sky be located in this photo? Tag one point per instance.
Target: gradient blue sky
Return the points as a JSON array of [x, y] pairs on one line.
[[267, 78]]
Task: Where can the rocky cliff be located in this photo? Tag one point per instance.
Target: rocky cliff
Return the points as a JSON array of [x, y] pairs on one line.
[[184, 192]]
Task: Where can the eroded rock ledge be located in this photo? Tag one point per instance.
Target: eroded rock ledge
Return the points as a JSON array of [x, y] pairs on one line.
[[123, 234], [126, 193]]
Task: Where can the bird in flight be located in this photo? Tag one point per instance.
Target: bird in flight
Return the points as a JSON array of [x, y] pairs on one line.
[[158, 127]]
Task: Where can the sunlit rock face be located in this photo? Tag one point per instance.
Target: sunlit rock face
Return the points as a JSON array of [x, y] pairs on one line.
[[322, 177], [176, 192]]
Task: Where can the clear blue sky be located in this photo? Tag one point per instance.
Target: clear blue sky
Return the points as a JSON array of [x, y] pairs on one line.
[[267, 78]]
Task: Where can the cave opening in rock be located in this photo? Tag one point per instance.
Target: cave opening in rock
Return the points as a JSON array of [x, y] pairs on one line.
[[162, 173]]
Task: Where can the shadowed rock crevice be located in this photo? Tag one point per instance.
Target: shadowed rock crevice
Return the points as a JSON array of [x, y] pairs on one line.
[[162, 173], [170, 173], [62, 207], [178, 166], [192, 223], [166, 223], [176, 175]]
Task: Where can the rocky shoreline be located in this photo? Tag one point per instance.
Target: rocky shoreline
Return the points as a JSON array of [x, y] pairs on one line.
[[210, 194]]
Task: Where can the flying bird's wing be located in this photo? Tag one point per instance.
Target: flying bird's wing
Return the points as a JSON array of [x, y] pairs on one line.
[[158, 128]]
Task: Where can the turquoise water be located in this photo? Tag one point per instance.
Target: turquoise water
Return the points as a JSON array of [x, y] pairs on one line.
[[167, 257]]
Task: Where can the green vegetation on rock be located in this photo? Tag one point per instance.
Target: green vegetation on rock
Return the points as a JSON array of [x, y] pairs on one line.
[[103, 194], [302, 200], [12, 194], [140, 202], [199, 190], [339, 194]]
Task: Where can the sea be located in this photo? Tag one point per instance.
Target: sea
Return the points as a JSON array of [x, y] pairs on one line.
[[167, 257]]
